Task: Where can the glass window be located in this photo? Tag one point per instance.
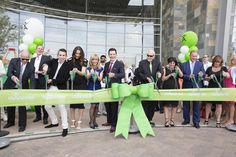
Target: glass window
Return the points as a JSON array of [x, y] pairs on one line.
[[51, 34], [98, 49], [77, 37], [135, 3], [77, 25], [148, 28], [115, 39], [53, 47], [96, 38], [148, 40], [148, 2], [133, 28], [97, 26], [56, 23], [115, 27], [133, 39], [133, 50]]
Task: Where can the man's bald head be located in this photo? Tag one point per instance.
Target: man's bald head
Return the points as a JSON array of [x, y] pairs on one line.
[[24, 55]]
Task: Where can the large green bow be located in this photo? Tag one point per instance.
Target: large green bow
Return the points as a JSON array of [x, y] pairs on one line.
[[132, 105]]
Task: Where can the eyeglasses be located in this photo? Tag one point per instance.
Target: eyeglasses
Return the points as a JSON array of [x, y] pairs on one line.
[[24, 59], [150, 55]]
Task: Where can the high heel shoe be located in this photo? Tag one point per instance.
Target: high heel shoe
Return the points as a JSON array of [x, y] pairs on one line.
[[167, 124], [91, 125], [206, 122], [218, 124], [95, 124], [78, 126], [72, 124], [172, 123]]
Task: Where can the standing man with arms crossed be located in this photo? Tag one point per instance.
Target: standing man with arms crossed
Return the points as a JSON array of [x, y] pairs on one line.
[[192, 71], [40, 82], [113, 73], [150, 70], [20, 71]]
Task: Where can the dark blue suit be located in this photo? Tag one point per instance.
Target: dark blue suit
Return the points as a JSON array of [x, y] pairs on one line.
[[189, 83]]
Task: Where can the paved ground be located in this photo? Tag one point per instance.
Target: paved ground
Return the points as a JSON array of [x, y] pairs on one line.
[[178, 141]]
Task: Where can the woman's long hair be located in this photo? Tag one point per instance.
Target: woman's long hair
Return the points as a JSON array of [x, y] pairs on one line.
[[81, 58]]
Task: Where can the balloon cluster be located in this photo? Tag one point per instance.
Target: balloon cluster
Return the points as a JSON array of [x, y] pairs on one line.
[[33, 29], [189, 41]]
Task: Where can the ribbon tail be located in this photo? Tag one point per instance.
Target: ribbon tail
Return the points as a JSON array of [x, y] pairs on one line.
[[141, 119], [124, 117]]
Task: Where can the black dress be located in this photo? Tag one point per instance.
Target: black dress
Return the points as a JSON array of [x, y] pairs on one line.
[[213, 83], [170, 83], [80, 82]]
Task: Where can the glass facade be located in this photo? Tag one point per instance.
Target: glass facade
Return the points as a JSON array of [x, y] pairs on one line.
[[130, 26]]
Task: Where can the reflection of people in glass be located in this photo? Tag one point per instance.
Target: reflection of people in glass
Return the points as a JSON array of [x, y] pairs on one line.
[[78, 64], [94, 76], [171, 73], [215, 75]]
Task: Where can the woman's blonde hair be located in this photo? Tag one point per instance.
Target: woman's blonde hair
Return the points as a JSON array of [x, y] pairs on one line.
[[233, 56], [94, 56]]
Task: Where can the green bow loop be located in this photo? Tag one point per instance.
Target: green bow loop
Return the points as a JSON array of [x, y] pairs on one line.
[[72, 75], [94, 77], [132, 105]]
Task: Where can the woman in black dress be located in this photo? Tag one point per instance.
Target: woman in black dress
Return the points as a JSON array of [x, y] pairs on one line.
[[170, 81], [215, 75], [78, 65]]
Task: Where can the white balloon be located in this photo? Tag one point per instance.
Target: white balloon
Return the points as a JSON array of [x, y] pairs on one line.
[[33, 27], [27, 39], [181, 57], [184, 49], [23, 47]]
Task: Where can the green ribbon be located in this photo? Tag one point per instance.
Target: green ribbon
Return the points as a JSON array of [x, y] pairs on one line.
[[132, 105], [72, 75]]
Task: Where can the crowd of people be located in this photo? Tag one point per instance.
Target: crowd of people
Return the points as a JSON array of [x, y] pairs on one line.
[[95, 73]]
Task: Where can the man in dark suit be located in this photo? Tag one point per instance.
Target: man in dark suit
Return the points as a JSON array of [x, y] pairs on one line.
[[150, 70], [40, 82], [20, 71], [191, 72], [58, 75], [113, 73]]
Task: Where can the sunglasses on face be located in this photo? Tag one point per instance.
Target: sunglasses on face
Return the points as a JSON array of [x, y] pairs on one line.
[[24, 59], [150, 55]]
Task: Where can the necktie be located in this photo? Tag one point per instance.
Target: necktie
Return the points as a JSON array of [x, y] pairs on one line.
[[150, 66], [110, 66]]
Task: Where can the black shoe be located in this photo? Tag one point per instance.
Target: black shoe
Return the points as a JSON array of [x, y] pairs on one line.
[[21, 129], [95, 124], [152, 124], [37, 119], [91, 125], [45, 121], [161, 111], [185, 123], [197, 126], [51, 125], [64, 132], [8, 125]]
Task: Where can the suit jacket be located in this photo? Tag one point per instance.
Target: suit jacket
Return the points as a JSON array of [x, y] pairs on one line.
[[44, 60], [14, 70], [187, 82], [144, 70], [62, 75], [119, 71]]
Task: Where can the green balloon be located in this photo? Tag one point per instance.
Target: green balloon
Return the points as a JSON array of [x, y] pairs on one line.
[[32, 48], [187, 56], [189, 39], [38, 41], [193, 48]]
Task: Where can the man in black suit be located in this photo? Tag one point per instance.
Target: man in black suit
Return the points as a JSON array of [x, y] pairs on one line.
[[20, 71], [150, 70], [113, 73], [58, 75], [40, 82]]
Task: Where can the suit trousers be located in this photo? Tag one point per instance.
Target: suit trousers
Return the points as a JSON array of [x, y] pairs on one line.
[[196, 111], [38, 85], [11, 115], [149, 108], [112, 112], [62, 110]]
